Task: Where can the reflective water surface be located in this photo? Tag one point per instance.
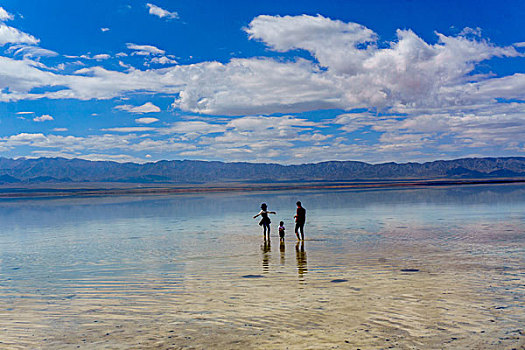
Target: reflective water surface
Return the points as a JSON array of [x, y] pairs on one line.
[[404, 268]]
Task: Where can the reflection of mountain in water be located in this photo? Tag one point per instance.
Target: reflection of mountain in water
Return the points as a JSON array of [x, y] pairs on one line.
[[242, 205]]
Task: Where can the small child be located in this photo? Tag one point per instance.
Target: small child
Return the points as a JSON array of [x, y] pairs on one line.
[[281, 230]]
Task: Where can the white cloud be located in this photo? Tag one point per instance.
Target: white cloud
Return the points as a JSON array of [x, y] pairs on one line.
[[43, 118], [162, 60], [332, 42], [347, 70], [252, 138], [486, 128], [168, 145], [23, 138], [119, 158], [147, 107], [4, 15], [145, 50], [28, 51], [102, 56], [69, 143], [80, 147], [13, 35], [128, 129], [25, 112], [104, 29], [161, 13], [256, 86], [193, 129], [146, 120], [354, 121], [471, 31], [60, 129]]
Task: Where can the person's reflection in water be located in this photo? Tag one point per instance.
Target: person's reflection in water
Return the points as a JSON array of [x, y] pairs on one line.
[[266, 249], [282, 248], [300, 254]]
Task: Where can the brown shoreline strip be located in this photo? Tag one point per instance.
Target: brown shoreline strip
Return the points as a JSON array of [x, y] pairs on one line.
[[74, 192]]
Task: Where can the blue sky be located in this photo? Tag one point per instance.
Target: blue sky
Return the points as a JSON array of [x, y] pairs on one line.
[[272, 81]]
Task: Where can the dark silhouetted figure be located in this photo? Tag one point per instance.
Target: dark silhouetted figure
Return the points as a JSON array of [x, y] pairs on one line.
[[265, 221], [300, 219], [281, 231]]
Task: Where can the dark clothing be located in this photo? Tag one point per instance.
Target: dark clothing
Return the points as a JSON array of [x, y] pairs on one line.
[[301, 216], [299, 226], [300, 219], [265, 221]]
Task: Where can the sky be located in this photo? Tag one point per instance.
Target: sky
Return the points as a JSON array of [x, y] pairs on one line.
[[285, 82]]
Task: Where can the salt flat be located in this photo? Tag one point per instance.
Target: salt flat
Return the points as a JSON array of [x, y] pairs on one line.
[[390, 268]]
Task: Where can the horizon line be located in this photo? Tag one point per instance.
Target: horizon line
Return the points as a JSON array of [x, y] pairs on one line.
[[256, 163]]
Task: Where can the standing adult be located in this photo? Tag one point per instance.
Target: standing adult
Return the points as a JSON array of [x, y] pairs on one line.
[[300, 219]]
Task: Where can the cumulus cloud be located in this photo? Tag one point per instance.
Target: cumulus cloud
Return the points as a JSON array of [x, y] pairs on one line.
[[89, 147], [102, 56], [145, 50], [335, 44], [4, 15], [161, 13], [13, 35], [162, 60], [104, 29], [119, 158], [292, 139], [193, 128], [128, 129], [250, 86], [487, 126], [68, 143], [147, 107], [251, 138], [347, 70], [28, 51], [146, 120], [423, 95], [43, 118]]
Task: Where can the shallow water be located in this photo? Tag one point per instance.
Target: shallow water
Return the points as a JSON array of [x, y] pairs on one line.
[[410, 268]]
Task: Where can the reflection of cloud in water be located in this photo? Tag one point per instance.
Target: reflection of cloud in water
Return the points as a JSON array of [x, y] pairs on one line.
[[188, 267]]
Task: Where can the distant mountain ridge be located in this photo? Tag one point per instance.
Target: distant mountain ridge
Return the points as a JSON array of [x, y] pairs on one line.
[[49, 170]]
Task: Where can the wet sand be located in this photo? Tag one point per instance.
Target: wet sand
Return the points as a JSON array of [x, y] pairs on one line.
[[291, 296]]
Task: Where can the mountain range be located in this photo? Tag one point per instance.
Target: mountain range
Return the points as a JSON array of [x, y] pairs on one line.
[[56, 170]]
